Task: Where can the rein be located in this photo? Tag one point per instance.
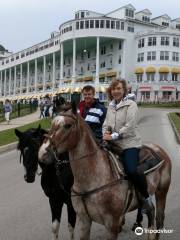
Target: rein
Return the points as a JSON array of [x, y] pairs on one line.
[[101, 188]]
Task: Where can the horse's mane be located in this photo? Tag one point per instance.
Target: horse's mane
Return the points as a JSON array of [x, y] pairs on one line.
[[88, 129]]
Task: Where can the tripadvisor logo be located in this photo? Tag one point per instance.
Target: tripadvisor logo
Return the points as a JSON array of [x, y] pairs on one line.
[[139, 231]]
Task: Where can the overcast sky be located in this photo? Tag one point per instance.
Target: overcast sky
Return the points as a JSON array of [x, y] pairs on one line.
[[24, 23]]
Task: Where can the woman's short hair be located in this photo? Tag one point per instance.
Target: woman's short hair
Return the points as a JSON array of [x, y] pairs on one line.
[[114, 84]]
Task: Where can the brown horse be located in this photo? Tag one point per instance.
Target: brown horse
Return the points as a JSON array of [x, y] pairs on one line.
[[96, 195]]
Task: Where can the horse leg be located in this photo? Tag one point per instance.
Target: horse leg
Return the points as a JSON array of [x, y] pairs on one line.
[[151, 224], [56, 210], [71, 219], [139, 219], [160, 196], [84, 226], [112, 235]]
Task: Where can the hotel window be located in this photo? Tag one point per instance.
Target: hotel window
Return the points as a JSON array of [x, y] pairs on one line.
[[140, 57], [166, 24], [88, 67], [112, 24], [103, 50], [145, 95], [117, 25], [165, 41], [130, 29], [103, 64], [107, 24], [120, 45], [82, 70], [164, 55], [87, 24], [91, 23], [119, 60], [82, 14], [178, 26], [150, 77], [176, 42], [141, 43], [175, 57], [145, 19], [77, 25], [163, 76], [151, 41], [81, 24], [97, 23], [139, 77], [174, 77], [102, 24], [129, 13], [88, 54], [151, 56], [122, 25]]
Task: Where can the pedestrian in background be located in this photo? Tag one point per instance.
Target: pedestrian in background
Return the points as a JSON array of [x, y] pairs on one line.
[[7, 110], [41, 107], [47, 106]]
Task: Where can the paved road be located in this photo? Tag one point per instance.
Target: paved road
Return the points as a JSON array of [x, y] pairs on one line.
[[24, 210]]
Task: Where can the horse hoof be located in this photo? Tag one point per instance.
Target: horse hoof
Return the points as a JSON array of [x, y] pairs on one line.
[[135, 226]]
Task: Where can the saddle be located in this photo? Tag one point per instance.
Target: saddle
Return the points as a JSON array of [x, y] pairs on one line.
[[149, 160]]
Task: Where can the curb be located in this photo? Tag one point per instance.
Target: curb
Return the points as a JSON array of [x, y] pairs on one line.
[[175, 129], [8, 147]]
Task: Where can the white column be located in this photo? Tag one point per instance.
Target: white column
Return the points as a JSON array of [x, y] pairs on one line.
[[123, 73], [27, 86], [14, 80], [5, 83], [97, 60], [44, 72], [10, 80], [74, 62], [53, 72], [20, 78], [35, 74], [62, 63], [97, 64], [1, 85]]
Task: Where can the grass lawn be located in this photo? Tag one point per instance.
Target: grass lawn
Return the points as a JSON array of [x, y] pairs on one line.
[[8, 136], [176, 119], [160, 105]]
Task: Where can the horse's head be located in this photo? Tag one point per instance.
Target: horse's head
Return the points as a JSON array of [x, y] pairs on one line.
[[29, 143], [63, 136]]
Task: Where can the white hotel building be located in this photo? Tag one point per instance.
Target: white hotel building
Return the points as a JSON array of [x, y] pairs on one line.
[[94, 48]]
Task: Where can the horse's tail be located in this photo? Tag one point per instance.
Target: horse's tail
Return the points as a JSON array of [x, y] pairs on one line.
[[162, 186]]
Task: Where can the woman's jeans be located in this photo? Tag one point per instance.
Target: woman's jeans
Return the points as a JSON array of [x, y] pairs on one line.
[[130, 159]]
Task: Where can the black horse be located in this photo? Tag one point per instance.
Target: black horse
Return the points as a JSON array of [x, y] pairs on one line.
[[29, 143]]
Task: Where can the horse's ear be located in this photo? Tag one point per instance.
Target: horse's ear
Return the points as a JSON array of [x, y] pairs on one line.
[[74, 107], [38, 128], [18, 133]]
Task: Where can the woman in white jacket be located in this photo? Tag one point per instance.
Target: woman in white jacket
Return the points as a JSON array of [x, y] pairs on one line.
[[121, 118]]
